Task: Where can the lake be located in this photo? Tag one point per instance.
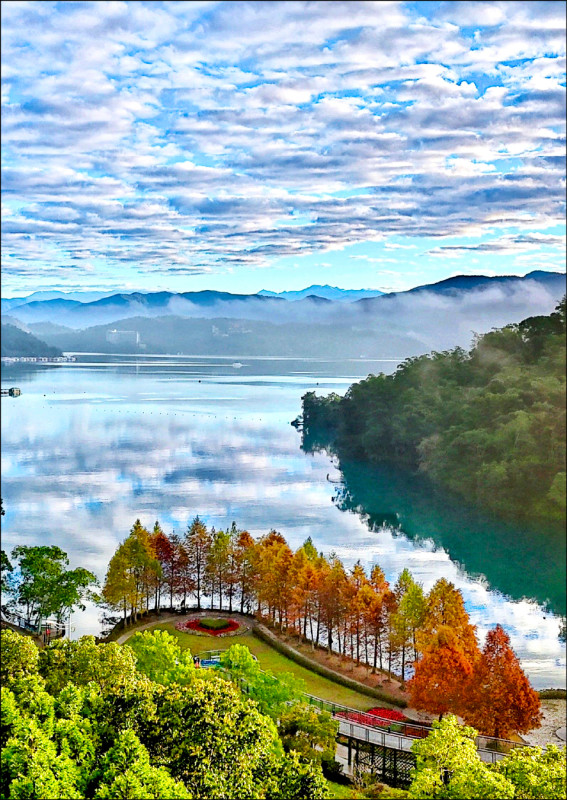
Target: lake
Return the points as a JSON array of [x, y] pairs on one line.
[[93, 445]]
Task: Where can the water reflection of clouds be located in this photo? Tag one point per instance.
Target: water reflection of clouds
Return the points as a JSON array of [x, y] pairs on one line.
[[79, 475]]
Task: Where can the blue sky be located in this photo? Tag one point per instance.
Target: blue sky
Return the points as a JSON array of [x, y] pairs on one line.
[[245, 146]]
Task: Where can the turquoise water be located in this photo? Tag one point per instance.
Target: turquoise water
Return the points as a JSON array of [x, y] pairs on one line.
[[91, 446]]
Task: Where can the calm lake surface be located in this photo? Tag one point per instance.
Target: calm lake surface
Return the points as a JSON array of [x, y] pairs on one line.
[[93, 445]]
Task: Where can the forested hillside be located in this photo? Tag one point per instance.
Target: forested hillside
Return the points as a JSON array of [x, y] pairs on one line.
[[17, 343], [488, 424]]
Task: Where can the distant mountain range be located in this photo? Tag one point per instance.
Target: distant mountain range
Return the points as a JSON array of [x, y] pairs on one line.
[[83, 297], [329, 301], [458, 283], [326, 292]]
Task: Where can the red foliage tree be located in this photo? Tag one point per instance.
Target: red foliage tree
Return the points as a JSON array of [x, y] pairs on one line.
[[501, 699], [440, 681], [163, 551]]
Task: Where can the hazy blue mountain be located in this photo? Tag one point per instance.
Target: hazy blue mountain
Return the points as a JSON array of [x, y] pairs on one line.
[[43, 329], [241, 338], [75, 314], [82, 297], [459, 283], [326, 292], [8, 320], [44, 310], [17, 343]]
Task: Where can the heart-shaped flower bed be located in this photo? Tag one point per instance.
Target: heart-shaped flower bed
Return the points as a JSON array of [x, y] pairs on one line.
[[206, 626]]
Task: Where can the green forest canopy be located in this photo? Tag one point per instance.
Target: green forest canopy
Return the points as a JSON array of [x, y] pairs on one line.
[[488, 424], [81, 720]]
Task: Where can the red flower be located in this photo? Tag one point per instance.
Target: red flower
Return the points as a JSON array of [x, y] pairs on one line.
[[388, 713]]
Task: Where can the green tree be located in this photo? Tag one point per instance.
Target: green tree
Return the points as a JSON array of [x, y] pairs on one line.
[[308, 731], [294, 778], [108, 665], [218, 564], [535, 773], [212, 739], [6, 570], [271, 693], [245, 577], [44, 586], [126, 774], [33, 769], [159, 656], [112, 732], [488, 424], [448, 766], [20, 657], [409, 616]]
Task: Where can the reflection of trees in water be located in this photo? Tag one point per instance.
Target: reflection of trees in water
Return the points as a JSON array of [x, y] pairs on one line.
[[345, 501], [519, 560]]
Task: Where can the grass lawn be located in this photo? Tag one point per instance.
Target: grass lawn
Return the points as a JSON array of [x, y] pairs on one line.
[[342, 792], [269, 658]]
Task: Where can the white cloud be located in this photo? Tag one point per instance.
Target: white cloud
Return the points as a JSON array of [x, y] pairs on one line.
[[209, 123]]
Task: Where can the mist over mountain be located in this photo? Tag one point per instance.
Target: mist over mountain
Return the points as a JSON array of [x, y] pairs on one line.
[[391, 326], [511, 294], [454, 285], [17, 343]]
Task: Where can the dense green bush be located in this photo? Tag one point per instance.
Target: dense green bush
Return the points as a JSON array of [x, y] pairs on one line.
[[214, 624], [83, 721]]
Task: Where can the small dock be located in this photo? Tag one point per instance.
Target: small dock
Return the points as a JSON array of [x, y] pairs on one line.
[[13, 392]]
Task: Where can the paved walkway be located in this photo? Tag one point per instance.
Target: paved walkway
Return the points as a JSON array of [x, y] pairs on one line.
[[554, 713]]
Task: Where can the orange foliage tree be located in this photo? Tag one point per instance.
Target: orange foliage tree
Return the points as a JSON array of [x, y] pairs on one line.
[[501, 699], [440, 680], [445, 610]]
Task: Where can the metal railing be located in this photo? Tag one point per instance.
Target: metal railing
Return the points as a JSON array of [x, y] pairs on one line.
[[489, 745], [46, 629]]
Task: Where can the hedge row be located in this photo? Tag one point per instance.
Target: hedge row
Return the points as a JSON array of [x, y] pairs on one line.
[[325, 672], [553, 694]]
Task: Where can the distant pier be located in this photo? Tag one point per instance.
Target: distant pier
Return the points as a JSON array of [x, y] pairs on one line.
[[13, 392], [37, 359]]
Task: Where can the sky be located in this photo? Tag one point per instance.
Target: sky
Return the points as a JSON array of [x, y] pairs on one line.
[[242, 146]]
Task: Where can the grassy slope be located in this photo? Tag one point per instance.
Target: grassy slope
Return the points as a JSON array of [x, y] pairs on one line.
[[341, 792], [275, 662]]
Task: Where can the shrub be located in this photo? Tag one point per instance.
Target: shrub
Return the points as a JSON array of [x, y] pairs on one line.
[[214, 624]]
